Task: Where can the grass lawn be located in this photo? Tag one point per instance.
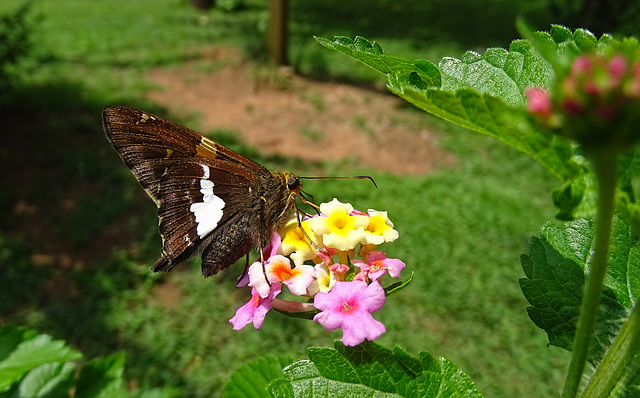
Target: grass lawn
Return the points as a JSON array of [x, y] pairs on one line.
[[77, 227]]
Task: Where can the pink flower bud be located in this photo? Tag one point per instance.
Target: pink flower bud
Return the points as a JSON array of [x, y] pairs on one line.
[[617, 67], [539, 102], [606, 112], [581, 65], [591, 88], [572, 106], [339, 268], [360, 276]]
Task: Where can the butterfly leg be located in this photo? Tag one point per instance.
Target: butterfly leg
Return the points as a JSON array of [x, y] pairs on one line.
[[314, 244], [246, 267], [264, 269]]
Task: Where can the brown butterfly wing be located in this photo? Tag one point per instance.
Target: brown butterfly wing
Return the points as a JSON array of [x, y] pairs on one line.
[[200, 204], [209, 198], [149, 144]]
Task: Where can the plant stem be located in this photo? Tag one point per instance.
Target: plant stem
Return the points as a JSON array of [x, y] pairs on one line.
[[611, 369], [604, 161]]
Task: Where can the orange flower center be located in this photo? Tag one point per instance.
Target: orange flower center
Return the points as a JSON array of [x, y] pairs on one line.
[[283, 272], [376, 266]]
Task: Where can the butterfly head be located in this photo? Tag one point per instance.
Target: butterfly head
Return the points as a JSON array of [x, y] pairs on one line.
[[291, 184]]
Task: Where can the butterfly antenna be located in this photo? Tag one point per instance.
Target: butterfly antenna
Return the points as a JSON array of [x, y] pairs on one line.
[[342, 178]]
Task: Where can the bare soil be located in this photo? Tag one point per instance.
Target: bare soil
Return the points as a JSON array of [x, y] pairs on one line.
[[282, 113]]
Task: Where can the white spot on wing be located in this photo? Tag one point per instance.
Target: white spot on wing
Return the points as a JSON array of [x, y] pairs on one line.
[[205, 171], [208, 212]]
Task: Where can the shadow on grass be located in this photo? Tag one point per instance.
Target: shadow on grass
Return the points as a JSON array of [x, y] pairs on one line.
[[67, 201], [470, 24], [75, 231]]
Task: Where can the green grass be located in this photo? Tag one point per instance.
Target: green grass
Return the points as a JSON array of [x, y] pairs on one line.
[[462, 228]]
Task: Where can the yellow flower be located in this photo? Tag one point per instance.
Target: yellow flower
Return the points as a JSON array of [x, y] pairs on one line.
[[339, 229], [380, 229], [295, 242], [324, 280]]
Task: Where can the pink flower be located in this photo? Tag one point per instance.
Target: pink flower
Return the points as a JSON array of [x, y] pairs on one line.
[[297, 279], [278, 270], [272, 248], [326, 254], [348, 306], [243, 279], [377, 264], [269, 251], [255, 310]]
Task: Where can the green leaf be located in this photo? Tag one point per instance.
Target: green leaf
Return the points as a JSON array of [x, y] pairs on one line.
[[48, 380], [630, 211], [577, 197], [423, 73], [251, 379], [396, 287], [22, 350], [164, 392], [499, 73], [371, 370], [101, 377], [488, 115], [629, 187], [555, 273]]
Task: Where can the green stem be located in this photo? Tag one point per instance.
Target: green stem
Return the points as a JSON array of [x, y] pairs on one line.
[[633, 368], [604, 161], [611, 377]]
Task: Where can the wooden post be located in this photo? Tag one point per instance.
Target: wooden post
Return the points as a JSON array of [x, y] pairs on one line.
[[277, 31]]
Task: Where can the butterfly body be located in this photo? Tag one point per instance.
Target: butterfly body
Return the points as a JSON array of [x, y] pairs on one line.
[[210, 199]]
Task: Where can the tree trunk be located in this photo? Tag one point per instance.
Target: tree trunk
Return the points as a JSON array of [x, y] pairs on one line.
[[278, 31]]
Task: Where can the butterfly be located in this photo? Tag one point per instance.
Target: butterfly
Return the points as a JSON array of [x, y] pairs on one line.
[[211, 200]]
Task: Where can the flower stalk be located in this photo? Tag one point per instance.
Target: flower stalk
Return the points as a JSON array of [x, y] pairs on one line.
[[604, 160], [292, 306], [597, 105]]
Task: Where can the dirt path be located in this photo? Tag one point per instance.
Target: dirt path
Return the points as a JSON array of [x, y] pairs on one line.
[[306, 119]]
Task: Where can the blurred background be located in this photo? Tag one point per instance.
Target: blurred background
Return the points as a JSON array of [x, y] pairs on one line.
[[78, 235]]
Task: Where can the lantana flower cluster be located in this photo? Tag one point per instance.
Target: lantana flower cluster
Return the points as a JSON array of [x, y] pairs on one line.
[[599, 97], [338, 274]]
